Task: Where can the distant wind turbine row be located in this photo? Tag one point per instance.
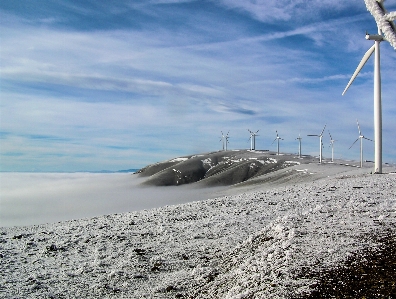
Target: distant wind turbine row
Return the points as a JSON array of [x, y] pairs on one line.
[[224, 140]]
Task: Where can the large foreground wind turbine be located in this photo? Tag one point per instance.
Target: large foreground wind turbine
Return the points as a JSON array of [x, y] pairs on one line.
[[253, 139], [386, 31], [320, 144], [277, 139], [361, 137]]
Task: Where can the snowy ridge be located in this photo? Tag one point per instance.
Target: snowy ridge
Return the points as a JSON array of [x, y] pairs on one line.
[[216, 168], [253, 245]]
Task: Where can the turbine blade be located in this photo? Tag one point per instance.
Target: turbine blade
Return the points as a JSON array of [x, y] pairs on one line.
[[353, 143], [360, 132], [323, 130], [314, 135], [368, 139], [360, 66], [331, 138]]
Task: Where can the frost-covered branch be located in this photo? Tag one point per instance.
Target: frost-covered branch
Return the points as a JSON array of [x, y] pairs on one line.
[[390, 16]]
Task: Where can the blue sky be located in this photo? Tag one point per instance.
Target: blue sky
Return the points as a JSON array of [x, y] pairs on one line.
[[92, 85]]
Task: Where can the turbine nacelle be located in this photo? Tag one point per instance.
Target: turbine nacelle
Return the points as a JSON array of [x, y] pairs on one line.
[[375, 37]]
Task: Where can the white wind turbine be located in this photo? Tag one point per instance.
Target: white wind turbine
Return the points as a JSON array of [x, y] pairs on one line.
[[253, 139], [299, 138], [361, 137], [332, 147], [277, 139], [224, 139], [386, 31], [320, 144]]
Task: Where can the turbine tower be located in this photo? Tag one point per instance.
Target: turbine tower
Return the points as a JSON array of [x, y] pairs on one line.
[[299, 138], [332, 147], [277, 139], [361, 137], [387, 28], [320, 143], [253, 139]]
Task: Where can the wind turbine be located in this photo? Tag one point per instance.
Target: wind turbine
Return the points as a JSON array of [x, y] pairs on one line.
[[224, 139], [253, 139], [277, 139], [387, 28], [320, 143], [332, 147], [361, 137], [299, 138]]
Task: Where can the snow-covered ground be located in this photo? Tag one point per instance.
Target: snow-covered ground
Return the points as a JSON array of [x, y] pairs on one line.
[[258, 244]]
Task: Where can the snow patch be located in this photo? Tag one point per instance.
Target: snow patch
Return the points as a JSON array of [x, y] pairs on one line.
[[180, 159], [293, 162], [271, 161]]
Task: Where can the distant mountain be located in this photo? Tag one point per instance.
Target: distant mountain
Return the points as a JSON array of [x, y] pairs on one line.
[[133, 170], [127, 170]]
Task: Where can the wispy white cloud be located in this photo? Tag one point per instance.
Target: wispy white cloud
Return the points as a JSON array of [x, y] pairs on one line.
[[285, 10]]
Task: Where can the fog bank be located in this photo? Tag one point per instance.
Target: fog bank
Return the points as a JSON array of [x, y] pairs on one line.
[[37, 198]]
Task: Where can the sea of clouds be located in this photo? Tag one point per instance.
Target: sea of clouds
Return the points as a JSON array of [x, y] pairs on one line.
[[37, 198]]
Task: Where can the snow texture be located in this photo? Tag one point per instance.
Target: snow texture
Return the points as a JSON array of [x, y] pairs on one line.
[[391, 16], [383, 20], [251, 245]]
